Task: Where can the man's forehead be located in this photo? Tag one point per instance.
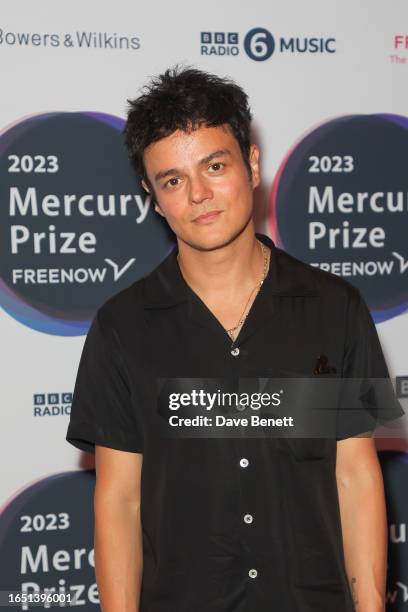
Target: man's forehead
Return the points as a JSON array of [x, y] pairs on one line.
[[186, 147], [190, 138]]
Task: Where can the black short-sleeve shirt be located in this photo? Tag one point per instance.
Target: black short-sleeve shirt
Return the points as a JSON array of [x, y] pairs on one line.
[[234, 523]]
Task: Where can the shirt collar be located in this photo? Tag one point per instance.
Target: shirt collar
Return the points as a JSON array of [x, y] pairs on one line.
[[287, 276]]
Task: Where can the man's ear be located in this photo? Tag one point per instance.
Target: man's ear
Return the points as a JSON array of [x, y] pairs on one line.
[[149, 191], [158, 209], [254, 164]]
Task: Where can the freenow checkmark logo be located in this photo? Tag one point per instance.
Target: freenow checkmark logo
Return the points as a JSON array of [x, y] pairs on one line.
[[118, 272]]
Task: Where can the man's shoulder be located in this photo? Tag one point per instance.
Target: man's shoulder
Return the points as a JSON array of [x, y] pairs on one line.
[[127, 305], [124, 302], [314, 280]]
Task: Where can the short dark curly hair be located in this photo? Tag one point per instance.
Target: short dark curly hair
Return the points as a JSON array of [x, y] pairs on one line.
[[185, 99]]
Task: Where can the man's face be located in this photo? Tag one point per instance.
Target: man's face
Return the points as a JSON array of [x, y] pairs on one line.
[[201, 185]]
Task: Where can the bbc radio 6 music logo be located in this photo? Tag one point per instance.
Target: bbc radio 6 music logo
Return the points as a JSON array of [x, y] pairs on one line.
[[75, 224], [52, 404], [259, 44], [340, 202]]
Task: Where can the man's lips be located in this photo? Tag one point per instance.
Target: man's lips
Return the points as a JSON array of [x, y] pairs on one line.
[[207, 217]]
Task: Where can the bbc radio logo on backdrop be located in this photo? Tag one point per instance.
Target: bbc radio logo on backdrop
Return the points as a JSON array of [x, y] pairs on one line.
[[339, 202], [52, 404], [219, 43], [259, 44], [75, 224], [401, 384]]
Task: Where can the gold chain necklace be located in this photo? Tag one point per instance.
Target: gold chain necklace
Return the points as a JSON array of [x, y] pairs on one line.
[[244, 315], [258, 286]]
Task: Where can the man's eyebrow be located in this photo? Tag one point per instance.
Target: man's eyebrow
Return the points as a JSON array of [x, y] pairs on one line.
[[205, 160], [219, 153], [163, 173]]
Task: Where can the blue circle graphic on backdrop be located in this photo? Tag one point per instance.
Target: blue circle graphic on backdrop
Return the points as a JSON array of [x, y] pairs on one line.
[[395, 471], [339, 201], [75, 224], [47, 537], [259, 44]]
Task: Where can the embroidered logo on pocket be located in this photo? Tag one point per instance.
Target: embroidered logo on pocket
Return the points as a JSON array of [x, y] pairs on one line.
[[322, 366]]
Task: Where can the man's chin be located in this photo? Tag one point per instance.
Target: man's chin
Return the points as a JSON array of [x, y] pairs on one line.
[[212, 240]]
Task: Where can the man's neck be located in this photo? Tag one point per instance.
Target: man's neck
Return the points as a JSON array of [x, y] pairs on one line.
[[228, 271]]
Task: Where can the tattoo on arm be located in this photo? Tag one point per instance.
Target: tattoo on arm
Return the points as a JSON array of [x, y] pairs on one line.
[[353, 592]]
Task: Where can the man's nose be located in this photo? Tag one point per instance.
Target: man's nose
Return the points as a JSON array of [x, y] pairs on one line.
[[199, 190]]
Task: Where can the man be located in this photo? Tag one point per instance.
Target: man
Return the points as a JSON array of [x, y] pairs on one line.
[[236, 523]]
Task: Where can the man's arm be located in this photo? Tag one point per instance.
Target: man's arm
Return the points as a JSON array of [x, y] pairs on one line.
[[118, 533], [363, 518]]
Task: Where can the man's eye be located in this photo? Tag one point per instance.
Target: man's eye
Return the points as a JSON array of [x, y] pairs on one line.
[[171, 182], [216, 166]]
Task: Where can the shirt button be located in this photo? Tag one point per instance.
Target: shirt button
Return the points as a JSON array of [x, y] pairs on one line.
[[252, 573], [248, 518], [243, 462], [235, 352]]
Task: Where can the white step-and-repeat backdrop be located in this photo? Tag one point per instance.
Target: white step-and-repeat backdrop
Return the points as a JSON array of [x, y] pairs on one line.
[[328, 84]]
